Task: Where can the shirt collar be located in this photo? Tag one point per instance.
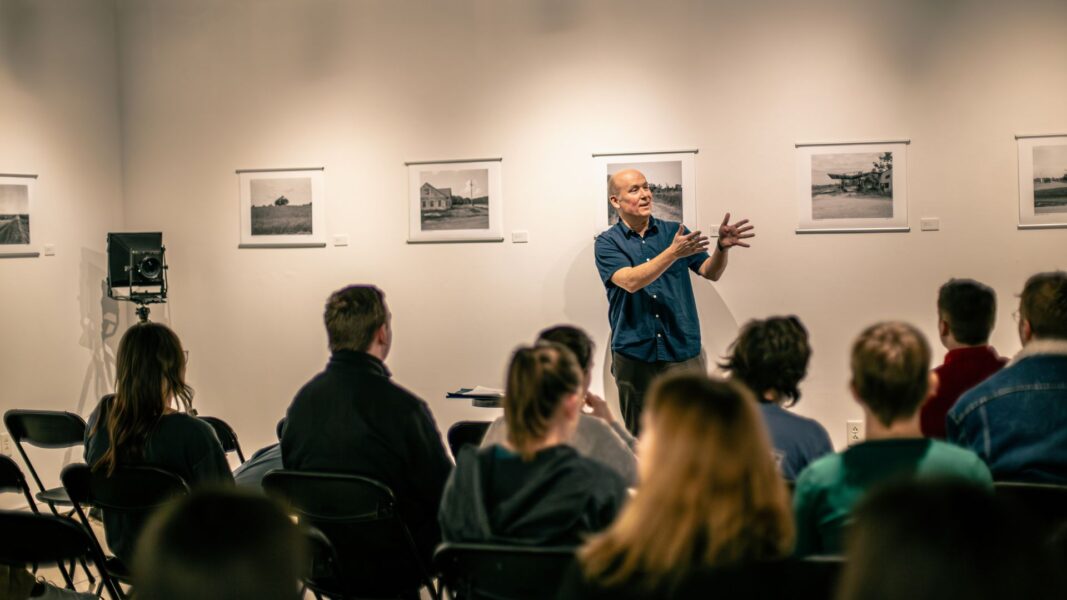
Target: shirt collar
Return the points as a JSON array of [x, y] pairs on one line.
[[970, 353], [653, 226], [361, 361], [1036, 347]]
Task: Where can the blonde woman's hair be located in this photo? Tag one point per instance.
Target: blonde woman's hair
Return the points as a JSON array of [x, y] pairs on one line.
[[712, 497]]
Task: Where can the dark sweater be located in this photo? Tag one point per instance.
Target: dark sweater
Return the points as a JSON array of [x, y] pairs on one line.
[[179, 443], [556, 499], [352, 418]]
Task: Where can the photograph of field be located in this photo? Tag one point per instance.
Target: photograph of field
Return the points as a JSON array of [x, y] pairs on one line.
[[454, 199], [1050, 179], [852, 185], [14, 214], [665, 183], [281, 206]]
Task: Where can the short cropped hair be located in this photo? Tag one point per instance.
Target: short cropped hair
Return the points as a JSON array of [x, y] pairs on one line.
[[574, 339], [890, 370], [1044, 304], [353, 315], [969, 308], [771, 354], [219, 544]]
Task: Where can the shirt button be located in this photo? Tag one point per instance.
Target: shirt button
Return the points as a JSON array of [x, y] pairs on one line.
[[642, 241], [657, 316], [653, 296], [646, 260], [659, 335]]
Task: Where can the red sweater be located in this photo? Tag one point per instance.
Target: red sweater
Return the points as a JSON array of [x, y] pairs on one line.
[[963, 369]]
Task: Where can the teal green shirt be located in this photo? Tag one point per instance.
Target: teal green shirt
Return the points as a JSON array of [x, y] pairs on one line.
[[827, 490]]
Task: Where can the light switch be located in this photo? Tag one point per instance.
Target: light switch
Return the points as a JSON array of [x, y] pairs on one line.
[[520, 237], [340, 240], [49, 249]]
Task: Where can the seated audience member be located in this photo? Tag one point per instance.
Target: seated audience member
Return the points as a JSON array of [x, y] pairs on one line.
[[771, 357], [944, 541], [352, 418], [17, 583], [890, 379], [143, 423], [1017, 419], [966, 312], [598, 435], [225, 544], [250, 473], [534, 489], [710, 507]]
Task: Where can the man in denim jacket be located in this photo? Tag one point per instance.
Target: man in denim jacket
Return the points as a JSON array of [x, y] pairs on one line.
[[1017, 419]]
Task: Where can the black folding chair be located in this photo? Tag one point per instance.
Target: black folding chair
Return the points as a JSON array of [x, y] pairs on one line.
[[1045, 504], [33, 538], [227, 436], [375, 552], [136, 491], [12, 480], [474, 571], [462, 433], [45, 429]]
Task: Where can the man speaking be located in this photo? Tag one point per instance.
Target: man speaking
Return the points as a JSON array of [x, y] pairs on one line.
[[644, 262]]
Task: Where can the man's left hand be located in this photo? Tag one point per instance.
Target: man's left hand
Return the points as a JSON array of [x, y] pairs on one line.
[[734, 235]]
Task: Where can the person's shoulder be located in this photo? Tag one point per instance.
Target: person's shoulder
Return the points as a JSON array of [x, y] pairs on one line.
[[598, 475], [821, 472], [958, 461], [187, 424], [984, 391]]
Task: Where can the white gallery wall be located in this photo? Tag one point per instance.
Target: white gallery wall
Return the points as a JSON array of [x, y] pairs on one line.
[[59, 119], [359, 87]]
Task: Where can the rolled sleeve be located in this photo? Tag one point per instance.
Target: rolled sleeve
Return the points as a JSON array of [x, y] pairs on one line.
[[609, 259]]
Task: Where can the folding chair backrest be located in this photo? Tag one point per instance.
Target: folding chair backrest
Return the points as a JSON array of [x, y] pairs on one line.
[[43, 429], [502, 572], [462, 433], [31, 538], [12, 480], [227, 436], [128, 489], [359, 516]]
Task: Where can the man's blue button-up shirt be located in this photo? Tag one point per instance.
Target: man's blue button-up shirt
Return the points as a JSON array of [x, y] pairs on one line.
[[658, 322]]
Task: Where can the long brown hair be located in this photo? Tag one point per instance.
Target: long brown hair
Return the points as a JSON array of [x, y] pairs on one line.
[[712, 495], [150, 370], [538, 379]]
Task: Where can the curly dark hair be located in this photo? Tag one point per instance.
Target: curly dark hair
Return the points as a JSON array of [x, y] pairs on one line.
[[770, 354]]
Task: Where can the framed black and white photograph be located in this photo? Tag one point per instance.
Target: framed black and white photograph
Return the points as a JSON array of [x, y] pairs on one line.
[[1042, 181], [282, 207], [455, 201], [16, 211], [671, 179], [852, 187]]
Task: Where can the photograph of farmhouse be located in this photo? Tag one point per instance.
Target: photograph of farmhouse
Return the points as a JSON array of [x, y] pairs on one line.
[[454, 199]]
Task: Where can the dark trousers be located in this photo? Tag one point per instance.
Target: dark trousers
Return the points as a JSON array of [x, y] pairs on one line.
[[634, 377]]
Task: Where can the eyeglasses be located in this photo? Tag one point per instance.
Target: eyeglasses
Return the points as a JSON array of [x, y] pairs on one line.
[[1017, 316], [186, 353]]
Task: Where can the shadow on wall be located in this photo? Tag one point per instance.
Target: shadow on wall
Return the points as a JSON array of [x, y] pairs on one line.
[[99, 322], [19, 38]]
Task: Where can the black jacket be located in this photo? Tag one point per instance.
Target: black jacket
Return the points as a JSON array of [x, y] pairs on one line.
[[352, 418], [554, 500]]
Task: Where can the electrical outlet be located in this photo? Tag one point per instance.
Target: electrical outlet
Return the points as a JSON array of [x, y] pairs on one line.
[[854, 432], [6, 447]]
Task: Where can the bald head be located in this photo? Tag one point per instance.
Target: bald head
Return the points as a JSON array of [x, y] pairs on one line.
[[621, 179]]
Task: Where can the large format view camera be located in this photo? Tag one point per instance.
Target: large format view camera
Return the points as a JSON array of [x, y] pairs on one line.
[[137, 269]]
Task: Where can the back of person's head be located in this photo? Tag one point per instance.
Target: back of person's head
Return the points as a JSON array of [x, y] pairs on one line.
[[149, 372], [710, 492], [353, 316], [943, 540], [540, 377], [771, 355], [574, 339], [220, 544], [969, 308], [890, 370], [1044, 305]]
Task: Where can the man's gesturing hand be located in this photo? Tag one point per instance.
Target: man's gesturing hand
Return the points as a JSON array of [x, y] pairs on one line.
[[688, 244], [732, 235]]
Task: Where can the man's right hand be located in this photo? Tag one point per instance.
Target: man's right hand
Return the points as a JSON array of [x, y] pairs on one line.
[[688, 244]]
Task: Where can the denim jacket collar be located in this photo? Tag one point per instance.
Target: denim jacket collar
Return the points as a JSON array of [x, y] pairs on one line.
[[1037, 347]]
